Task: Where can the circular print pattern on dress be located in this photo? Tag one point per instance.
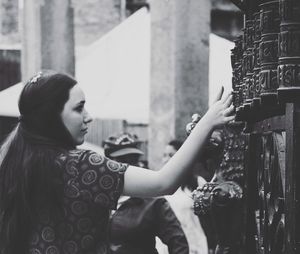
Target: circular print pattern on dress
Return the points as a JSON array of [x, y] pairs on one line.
[[102, 199], [35, 238], [70, 247], [84, 225], [34, 251], [79, 207], [106, 182], [71, 191], [96, 159], [52, 250], [48, 234], [86, 195], [87, 241], [112, 165], [89, 177], [71, 168]]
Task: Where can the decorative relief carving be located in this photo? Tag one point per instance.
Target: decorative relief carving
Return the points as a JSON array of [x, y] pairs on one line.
[[289, 10], [289, 44], [268, 79], [270, 204], [268, 49], [289, 72], [289, 40], [222, 197], [269, 17]]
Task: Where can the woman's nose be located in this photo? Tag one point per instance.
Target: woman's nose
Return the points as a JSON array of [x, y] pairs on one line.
[[87, 117]]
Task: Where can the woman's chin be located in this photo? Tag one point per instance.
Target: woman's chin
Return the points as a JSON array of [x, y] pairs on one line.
[[79, 142]]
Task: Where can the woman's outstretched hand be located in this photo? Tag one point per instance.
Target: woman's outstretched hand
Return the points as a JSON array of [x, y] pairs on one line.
[[221, 111]]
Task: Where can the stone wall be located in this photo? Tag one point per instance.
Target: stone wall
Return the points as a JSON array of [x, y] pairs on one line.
[[94, 18], [9, 22]]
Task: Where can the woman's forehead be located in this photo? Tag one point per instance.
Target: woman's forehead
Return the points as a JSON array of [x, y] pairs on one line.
[[76, 94]]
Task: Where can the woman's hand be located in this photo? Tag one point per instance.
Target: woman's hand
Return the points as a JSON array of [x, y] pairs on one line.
[[147, 183], [220, 112]]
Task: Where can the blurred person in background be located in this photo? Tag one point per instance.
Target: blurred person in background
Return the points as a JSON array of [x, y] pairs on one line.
[[201, 236], [182, 203], [136, 223]]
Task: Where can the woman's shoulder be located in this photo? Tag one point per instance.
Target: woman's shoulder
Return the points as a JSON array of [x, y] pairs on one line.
[[80, 154], [77, 156], [88, 159], [86, 171]]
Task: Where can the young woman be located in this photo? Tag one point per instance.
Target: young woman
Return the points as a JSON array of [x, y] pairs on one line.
[[55, 198]]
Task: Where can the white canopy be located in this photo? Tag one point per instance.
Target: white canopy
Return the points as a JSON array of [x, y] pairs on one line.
[[9, 100], [220, 71], [115, 71]]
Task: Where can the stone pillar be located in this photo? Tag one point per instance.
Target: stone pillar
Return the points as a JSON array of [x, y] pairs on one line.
[[48, 37], [95, 18], [179, 69]]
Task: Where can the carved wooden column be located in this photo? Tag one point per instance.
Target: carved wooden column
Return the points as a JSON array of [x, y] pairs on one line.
[[268, 49], [289, 50], [289, 93]]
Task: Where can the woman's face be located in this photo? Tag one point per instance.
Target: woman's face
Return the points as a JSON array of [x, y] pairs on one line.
[[74, 116], [168, 153]]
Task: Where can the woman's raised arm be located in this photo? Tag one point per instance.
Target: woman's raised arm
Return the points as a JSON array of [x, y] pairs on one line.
[[141, 182]]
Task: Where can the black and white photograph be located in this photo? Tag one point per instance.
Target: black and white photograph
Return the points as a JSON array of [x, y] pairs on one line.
[[149, 126]]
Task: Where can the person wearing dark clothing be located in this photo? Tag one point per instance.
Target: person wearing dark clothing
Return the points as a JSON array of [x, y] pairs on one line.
[[138, 221]]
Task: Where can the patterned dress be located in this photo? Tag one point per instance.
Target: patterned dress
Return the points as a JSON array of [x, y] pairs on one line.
[[92, 186]]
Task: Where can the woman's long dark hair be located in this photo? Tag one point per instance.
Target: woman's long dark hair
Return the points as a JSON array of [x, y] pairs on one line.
[[30, 178]]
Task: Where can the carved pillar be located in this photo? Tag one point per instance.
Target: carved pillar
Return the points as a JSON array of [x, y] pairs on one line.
[[256, 87], [256, 59], [268, 48], [289, 50]]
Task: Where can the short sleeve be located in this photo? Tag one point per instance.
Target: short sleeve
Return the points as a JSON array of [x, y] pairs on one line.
[[98, 178]]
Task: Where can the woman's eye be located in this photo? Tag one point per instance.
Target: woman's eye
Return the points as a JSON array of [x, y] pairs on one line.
[[79, 109]]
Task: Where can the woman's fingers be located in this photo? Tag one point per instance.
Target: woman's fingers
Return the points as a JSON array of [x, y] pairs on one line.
[[225, 98], [229, 118], [219, 95], [228, 100], [228, 111]]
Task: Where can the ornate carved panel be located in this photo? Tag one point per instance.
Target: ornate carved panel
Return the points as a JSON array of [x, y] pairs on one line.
[[269, 212]]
